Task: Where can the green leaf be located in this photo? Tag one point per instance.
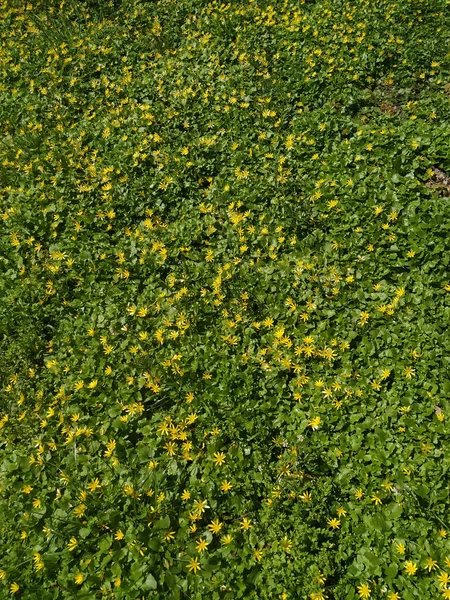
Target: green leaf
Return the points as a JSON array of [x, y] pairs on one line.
[[150, 583]]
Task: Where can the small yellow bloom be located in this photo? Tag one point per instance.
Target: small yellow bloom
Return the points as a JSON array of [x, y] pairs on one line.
[[410, 567], [72, 544], [430, 564], [201, 545], [364, 591], [225, 486], [409, 372], [314, 423], [364, 317], [215, 526], [14, 588], [245, 524], [94, 485], [219, 458], [286, 544], [444, 579], [185, 495], [200, 506], [79, 578], [193, 565], [334, 523], [258, 554]]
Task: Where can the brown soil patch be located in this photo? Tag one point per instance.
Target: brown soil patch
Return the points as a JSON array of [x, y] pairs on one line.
[[390, 109], [440, 182]]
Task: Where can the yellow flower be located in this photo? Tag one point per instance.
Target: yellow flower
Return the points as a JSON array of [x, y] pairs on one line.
[[400, 548], [72, 544], [94, 485], [364, 317], [444, 579], [26, 489], [200, 506], [215, 526], [410, 567], [245, 524], [185, 495], [394, 596], [286, 544], [225, 486], [408, 372], [334, 523], [79, 578], [201, 545], [226, 539], [219, 458], [314, 423], [14, 588], [193, 565], [430, 564], [119, 535], [257, 554], [364, 591]]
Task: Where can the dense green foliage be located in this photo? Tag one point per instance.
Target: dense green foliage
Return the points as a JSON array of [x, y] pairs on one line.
[[224, 300]]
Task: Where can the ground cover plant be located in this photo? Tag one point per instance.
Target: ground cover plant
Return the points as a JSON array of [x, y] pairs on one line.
[[224, 299]]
